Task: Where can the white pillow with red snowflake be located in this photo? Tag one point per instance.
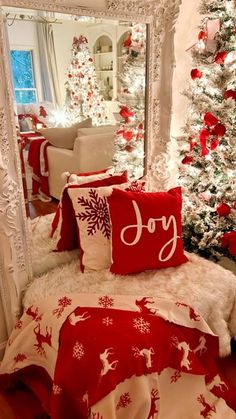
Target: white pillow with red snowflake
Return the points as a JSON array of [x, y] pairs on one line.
[[93, 221]]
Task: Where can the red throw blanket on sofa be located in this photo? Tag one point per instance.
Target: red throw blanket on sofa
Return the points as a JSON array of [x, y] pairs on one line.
[[37, 159]]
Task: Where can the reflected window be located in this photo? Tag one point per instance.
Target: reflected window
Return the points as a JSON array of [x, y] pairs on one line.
[[23, 76]]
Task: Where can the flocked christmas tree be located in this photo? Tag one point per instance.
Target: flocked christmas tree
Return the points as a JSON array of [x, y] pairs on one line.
[[208, 147], [83, 99], [129, 154]]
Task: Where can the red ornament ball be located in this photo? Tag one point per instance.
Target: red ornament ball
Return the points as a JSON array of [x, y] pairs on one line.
[[220, 57], [223, 210], [196, 74]]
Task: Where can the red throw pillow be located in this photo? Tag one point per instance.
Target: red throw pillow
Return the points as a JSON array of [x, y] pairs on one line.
[[146, 230], [68, 229]]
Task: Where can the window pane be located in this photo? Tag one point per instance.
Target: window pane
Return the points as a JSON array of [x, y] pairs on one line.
[[22, 69], [25, 96]]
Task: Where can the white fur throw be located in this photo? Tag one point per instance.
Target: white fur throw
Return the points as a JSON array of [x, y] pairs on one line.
[[42, 246], [206, 286]]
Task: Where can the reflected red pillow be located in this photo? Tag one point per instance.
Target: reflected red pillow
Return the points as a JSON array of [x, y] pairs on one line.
[[146, 230], [65, 217]]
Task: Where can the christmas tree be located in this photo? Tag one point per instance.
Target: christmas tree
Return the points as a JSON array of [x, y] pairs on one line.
[[83, 99], [129, 142], [208, 146]]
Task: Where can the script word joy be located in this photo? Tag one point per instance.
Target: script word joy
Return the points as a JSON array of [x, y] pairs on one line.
[[168, 224]]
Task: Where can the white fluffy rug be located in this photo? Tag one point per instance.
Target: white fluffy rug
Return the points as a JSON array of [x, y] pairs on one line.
[[42, 246], [208, 287]]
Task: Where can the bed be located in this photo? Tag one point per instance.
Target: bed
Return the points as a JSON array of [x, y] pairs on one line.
[[100, 343]]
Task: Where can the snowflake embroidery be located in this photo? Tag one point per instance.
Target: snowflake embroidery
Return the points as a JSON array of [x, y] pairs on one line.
[[56, 389], [20, 357], [175, 377], [96, 214], [63, 302], [18, 324], [106, 301], [124, 401], [107, 321], [78, 350], [141, 325]]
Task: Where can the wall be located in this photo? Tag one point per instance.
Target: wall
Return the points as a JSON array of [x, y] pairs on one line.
[[187, 28]]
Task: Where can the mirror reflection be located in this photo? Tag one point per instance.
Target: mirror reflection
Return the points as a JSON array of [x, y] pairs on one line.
[[78, 86]]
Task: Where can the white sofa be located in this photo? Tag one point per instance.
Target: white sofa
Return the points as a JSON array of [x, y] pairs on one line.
[[93, 150]]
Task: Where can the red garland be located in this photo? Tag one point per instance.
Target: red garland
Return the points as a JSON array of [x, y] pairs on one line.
[[228, 240], [223, 210], [196, 74]]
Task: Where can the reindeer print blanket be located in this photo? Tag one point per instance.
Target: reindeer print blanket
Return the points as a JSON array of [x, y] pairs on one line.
[[120, 357]]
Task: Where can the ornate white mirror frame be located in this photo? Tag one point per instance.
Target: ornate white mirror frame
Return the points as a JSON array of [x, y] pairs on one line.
[[160, 15]]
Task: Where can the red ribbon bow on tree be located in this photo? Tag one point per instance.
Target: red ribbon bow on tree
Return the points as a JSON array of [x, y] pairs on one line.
[[213, 129]]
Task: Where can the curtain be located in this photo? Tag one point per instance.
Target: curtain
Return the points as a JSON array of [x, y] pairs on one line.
[[48, 63]]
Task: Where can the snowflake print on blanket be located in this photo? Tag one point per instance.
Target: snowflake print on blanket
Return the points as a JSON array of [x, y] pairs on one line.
[[63, 302], [106, 301], [20, 357], [175, 377], [18, 324], [124, 401], [78, 350], [107, 321], [96, 214], [141, 325], [56, 389]]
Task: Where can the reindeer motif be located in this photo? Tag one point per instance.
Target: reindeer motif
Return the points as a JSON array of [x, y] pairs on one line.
[[142, 305], [106, 366], [201, 346], [41, 339], [185, 348], [73, 319], [192, 313], [208, 409], [216, 382], [153, 407], [146, 353], [34, 314]]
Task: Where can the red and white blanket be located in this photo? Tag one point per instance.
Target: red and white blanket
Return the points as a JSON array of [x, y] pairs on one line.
[[119, 356], [37, 159]]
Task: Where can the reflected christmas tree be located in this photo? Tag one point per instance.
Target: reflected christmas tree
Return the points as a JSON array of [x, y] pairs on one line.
[[83, 99], [129, 142], [208, 151]]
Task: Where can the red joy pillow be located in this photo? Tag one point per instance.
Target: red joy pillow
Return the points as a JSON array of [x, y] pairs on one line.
[[146, 230], [68, 229]]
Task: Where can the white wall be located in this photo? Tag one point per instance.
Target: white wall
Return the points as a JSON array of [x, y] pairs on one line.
[[187, 29]]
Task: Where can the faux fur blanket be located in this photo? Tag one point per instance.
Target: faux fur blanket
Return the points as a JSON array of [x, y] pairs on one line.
[[206, 286], [42, 246]]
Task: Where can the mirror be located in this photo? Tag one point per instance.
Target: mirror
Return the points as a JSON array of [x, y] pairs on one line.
[[159, 18], [72, 71]]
